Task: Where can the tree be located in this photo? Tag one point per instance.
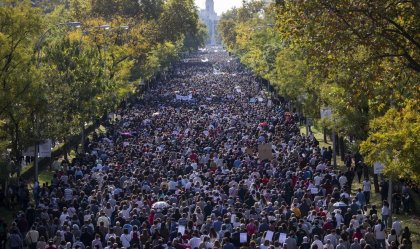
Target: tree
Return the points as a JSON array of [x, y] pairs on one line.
[[54, 79], [198, 40], [365, 47], [179, 18], [19, 26], [227, 30], [394, 140]]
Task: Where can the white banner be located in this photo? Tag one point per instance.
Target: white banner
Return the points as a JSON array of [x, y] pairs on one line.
[[45, 148], [326, 112], [184, 98], [378, 168]]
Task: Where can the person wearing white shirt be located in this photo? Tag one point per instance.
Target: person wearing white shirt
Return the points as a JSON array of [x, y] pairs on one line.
[[339, 218], [342, 180], [379, 231], [195, 241], [332, 237], [385, 213], [397, 226], [317, 242], [321, 167], [317, 180], [344, 194], [109, 209], [188, 185], [172, 185], [103, 219], [366, 190], [125, 239], [126, 211], [71, 211], [63, 216]]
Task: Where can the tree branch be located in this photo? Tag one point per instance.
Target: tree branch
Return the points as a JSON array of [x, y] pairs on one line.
[[402, 31]]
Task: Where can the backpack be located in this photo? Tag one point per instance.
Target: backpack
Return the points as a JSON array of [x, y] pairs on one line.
[[135, 238]]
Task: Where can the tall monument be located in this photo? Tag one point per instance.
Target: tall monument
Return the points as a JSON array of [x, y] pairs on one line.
[[210, 18]]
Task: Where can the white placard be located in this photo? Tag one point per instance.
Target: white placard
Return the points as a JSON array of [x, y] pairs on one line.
[[326, 112], [243, 237], [232, 218], [378, 168], [269, 235], [183, 97], [282, 238], [181, 229], [45, 148]]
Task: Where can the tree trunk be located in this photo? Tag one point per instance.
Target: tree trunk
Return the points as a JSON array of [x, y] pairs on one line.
[[342, 148], [337, 147], [83, 137], [66, 151], [324, 130], [376, 183]]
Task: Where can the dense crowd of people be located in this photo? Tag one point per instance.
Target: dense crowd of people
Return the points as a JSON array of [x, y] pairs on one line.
[[183, 167]]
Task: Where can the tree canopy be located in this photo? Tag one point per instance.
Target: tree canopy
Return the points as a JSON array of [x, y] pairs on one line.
[[64, 64], [359, 57]]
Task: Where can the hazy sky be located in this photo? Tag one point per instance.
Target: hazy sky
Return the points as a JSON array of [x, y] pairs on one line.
[[220, 5]]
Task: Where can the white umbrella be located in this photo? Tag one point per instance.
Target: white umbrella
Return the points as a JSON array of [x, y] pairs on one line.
[[160, 205], [340, 204]]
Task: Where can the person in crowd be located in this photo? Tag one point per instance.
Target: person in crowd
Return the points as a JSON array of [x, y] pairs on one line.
[[204, 159]]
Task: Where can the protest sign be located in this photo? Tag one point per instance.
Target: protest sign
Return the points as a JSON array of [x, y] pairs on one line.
[[269, 235], [265, 152]]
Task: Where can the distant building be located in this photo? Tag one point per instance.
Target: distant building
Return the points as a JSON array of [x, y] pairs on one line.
[[211, 19]]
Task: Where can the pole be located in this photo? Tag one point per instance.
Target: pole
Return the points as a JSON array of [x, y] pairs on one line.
[[390, 202], [334, 147], [83, 137], [36, 161]]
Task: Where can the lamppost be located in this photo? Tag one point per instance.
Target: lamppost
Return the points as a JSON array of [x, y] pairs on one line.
[[45, 34]]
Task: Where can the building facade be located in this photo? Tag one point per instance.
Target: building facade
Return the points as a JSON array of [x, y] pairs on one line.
[[211, 19]]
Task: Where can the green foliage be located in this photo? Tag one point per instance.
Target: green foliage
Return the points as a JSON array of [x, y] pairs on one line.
[[20, 24], [194, 42], [161, 57], [227, 30], [54, 78], [358, 57], [74, 71], [394, 140], [179, 18]]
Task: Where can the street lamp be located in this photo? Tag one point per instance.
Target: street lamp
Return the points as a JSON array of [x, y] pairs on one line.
[[104, 26], [44, 35], [124, 27], [73, 24]]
